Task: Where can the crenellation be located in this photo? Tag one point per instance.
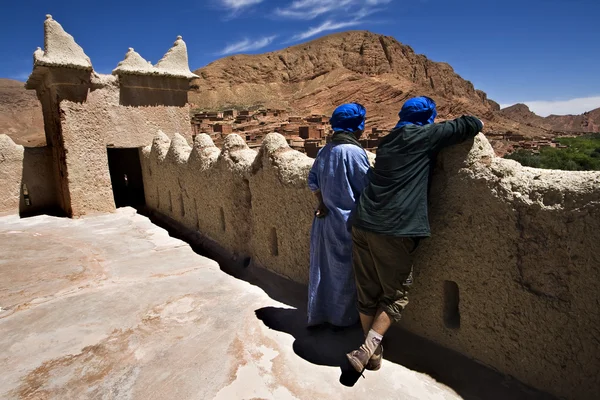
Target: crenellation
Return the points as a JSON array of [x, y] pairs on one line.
[[204, 153], [160, 146], [60, 49], [292, 166], [237, 155], [175, 62], [179, 150], [133, 63]]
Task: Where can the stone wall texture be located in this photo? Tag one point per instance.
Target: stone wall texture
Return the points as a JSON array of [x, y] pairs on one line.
[[509, 276], [101, 121], [11, 169], [30, 166]]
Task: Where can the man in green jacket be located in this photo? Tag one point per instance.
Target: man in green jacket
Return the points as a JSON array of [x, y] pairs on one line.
[[391, 218]]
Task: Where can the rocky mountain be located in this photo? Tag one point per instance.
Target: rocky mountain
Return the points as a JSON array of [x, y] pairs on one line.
[[586, 122], [21, 114], [316, 76]]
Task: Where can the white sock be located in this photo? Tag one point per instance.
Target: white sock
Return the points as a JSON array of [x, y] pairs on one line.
[[373, 341]]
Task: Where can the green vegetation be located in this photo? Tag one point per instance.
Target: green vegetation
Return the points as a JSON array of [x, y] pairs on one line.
[[581, 154]]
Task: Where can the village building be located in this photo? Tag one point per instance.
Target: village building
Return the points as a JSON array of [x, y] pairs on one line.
[[222, 128], [240, 119], [318, 119], [309, 132], [230, 114]]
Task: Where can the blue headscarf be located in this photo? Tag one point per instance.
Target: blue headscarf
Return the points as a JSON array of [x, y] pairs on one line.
[[418, 111], [348, 118]]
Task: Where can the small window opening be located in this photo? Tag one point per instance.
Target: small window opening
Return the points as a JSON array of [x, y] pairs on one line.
[[223, 226], [451, 305], [181, 205]]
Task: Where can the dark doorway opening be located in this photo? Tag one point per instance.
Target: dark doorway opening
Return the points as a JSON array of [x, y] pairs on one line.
[[126, 177]]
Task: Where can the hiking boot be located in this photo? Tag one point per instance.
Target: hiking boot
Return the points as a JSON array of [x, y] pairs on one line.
[[375, 361], [359, 358]]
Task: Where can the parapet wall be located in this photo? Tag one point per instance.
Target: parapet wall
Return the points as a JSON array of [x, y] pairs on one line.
[[31, 167], [509, 277], [11, 169]]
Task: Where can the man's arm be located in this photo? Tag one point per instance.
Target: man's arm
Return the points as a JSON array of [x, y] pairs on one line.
[[313, 185], [453, 132], [322, 210]]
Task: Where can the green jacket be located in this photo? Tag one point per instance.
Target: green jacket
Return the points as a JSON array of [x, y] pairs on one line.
[[395, 200]]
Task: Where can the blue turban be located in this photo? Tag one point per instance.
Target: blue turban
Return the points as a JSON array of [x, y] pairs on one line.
[[348, 118], [417, 111]]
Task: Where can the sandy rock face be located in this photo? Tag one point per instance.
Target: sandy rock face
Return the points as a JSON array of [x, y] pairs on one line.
[[586, 122], [317, 76], [21, 114]]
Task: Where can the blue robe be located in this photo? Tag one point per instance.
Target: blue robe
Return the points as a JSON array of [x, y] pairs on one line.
[[340, 173]]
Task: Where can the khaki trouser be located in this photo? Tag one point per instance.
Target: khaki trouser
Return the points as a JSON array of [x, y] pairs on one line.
[[383, 271]]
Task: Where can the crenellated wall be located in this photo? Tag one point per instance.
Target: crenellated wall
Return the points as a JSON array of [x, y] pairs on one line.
[[509, 276]]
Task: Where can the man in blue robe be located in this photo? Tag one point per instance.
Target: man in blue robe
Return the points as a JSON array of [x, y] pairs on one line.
[[337, 178]]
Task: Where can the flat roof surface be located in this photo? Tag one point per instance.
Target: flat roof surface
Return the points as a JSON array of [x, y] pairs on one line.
[[112, 307]]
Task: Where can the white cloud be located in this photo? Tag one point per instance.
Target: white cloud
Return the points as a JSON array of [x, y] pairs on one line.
[[353, 13], [310, 9], [324, 27], [247, 45], [238, 4], [562, 107]]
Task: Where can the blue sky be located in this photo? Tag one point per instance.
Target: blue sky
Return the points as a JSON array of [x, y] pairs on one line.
[[542, 52]]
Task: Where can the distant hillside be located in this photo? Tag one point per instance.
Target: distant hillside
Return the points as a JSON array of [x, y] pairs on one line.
[[316, 76], [586, 122], [21, 114]]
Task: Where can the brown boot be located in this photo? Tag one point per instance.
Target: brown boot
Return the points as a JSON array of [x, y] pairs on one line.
[[359, 358], [374, 363]]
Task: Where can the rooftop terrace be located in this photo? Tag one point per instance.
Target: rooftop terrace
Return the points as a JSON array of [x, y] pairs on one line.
[[111, 306]]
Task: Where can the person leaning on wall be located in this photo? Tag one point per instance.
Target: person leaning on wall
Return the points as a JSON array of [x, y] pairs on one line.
[[391, 218]]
